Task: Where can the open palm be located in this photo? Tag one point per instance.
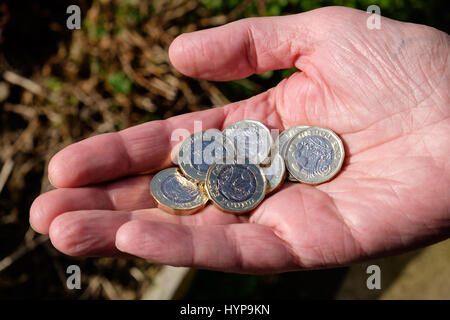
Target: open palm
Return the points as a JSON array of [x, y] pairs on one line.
[[385, 92]]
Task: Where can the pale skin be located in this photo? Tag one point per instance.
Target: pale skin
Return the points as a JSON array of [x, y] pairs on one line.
[[385, 92]]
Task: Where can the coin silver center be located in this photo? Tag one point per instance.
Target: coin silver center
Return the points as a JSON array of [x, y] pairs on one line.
[[173, 189], [236, 183], [314, 154]]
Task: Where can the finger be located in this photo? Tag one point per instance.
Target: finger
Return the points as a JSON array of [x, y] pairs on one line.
[[134, 150], [123, 195], [93, 232], [241, 48], [147, 147], [244, 247], [87, 233]]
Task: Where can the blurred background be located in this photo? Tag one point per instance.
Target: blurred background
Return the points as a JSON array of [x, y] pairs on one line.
[[58, 86]]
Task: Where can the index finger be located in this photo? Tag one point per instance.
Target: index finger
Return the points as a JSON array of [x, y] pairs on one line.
[[147, 147], [143, 148]]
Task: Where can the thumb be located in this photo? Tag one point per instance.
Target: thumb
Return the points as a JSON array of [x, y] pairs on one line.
[[241, 48]]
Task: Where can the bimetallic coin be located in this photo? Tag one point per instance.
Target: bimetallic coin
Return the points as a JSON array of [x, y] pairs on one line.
[[236, 188], [314, 155], [275, 173], [283, 140], [202, 149], [251, 140], [175, 193]]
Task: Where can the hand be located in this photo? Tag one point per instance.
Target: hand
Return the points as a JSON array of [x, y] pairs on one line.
[[385, 92]]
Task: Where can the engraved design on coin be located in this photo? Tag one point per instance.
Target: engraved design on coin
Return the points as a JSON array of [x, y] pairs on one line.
[[174, 190], [314, 155], [175, 193], [235, 187], [251, 139], [275, 173], [202, 149], [236, 183]]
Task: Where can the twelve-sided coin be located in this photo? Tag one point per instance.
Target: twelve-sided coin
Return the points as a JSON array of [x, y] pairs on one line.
[[236, 187], [175, 193], [314, 155]]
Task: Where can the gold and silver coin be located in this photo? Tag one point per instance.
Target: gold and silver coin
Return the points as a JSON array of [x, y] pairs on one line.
[[202, 149], [314, 155], [275, 173], [176, 194], [236, 187], [283, 140], [251, 139]]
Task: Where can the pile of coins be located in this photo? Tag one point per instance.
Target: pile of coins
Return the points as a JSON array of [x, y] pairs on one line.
[[237, 167]]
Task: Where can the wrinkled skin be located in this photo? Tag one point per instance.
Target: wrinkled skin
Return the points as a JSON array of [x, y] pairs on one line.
[[385, 92]]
